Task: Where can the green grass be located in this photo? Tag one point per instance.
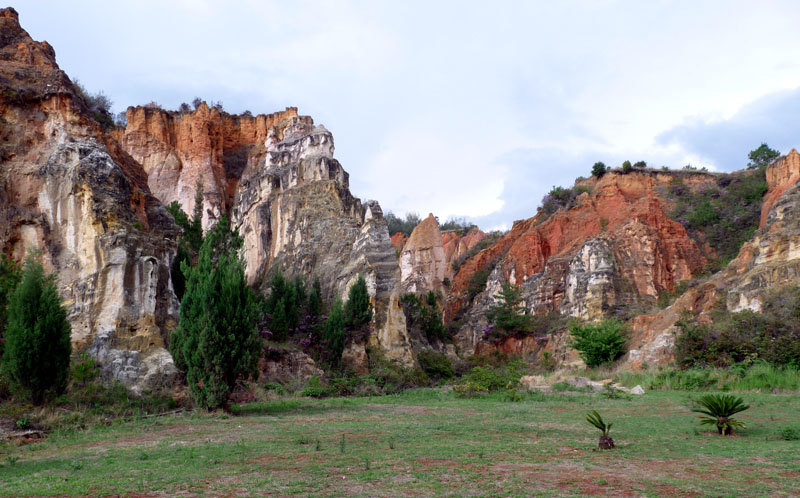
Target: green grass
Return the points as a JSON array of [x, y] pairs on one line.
[[421, 442], [760, 377]]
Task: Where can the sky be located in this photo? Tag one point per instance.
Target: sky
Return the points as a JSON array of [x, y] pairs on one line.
[[464, 108]]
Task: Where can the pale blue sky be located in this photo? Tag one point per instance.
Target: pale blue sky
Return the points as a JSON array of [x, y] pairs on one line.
[[460, 108]]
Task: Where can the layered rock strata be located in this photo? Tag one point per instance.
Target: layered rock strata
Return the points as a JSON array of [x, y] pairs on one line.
[[296, 213]]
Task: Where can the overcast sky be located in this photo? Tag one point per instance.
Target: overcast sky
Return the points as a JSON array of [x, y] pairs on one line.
[[460, 108]]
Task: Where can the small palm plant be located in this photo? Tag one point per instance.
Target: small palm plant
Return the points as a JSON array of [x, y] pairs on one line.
[[718, 410], [594, 418]]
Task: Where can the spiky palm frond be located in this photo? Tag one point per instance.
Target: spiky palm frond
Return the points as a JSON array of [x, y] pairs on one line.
[[596, 420], [718, 409]]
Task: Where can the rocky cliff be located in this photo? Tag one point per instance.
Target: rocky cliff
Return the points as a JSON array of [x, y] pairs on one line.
[[178, 150], [69, 190], [616, 247], [295, 212], [769, 261], [422, 261]]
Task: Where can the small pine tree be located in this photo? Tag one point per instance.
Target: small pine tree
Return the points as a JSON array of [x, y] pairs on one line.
[[508, 316], [333, 335], [358, 309], [10, 275], [37, 349], [599, 169], [315, 301], [216, 340]]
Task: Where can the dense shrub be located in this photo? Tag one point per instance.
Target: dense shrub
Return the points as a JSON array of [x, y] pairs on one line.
[[726, 215], [424, 312], [484, 379], [216, 340], [436, 365], [772, 335], [640, 165], [99, 105], [509, 316], [477, 282], [627, 167], [37, 336], [401, 225], [562, 198], [599, 169], [599, 343]]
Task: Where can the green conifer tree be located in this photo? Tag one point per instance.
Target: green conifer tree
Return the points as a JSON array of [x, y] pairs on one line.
[[10, 275], [216, 340], [333, 334], [37, 349], [358, 309]]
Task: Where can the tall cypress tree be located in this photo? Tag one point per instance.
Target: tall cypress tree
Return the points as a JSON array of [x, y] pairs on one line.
[[333, 334], [217, 339], [37, 348], [10, 275], [358, 309]]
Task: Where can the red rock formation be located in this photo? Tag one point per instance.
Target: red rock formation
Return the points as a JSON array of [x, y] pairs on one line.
[[422, 262], [399, 241], [781, 174], [456, 245], [626, 210], [179, 149]]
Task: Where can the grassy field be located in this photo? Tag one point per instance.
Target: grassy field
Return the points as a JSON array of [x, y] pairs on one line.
[[422, 442]]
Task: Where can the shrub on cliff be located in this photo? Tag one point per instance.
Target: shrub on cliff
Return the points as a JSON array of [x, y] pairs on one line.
[[37, 348], [216, 340], [599, 169], [627, 167], [397, 224], [562, 198], [424, 313], [599, 343], [509, 316], [761, 156]]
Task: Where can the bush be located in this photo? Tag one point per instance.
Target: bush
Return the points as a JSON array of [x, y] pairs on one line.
[[761, 157], [99, 105], [627, 167], [509, 316], [599, 343], [599, 169], [424, 314], [405, 226], [435, 365], [640, 165], [484, 379], [216, 340], [726, 215], [562, 198], [37, 348]]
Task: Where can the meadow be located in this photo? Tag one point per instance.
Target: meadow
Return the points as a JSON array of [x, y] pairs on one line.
[[422, 442]]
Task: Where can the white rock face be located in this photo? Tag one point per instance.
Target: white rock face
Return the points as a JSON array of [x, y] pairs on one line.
[[295, 212]]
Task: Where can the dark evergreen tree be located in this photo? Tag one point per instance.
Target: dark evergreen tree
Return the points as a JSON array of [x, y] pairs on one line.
[[37, 348], [333, 335], [599, 169], [315, 301], [627, 167], [358, 309], [216, 340], [508, 315], [10, 275]]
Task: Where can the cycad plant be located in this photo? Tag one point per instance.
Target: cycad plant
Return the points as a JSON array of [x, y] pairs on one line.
[[594, 418], [718, 410]]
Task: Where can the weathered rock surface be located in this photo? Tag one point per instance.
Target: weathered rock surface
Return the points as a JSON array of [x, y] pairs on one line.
[[615, 247], [457, 244], [178, 150], [423, 262], [67, 189], [769, 261], [295, 212], [278, 364]]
